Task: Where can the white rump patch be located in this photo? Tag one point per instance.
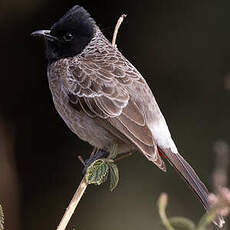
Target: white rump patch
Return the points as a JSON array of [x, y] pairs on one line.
[[162, 135]]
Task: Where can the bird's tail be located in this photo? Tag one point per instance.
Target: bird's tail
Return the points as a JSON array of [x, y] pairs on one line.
[[190, 176]]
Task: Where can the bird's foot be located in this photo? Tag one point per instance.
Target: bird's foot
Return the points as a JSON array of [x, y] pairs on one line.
[[99, 154]]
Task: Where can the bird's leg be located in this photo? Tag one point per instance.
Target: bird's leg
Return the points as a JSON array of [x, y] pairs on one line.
[[99, 154], [123, 156]]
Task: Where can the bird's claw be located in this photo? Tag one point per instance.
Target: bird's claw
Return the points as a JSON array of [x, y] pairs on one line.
[[99, 154]]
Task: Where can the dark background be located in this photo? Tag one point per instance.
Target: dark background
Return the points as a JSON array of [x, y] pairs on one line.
[[182, 48]]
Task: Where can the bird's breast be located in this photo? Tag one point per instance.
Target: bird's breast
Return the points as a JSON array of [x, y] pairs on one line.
[[79, 123]]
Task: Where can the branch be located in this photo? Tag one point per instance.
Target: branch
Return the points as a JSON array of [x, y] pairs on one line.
[[73, 204], [120, 20]]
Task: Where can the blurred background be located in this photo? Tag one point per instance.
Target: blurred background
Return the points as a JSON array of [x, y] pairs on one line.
[[182, 48]]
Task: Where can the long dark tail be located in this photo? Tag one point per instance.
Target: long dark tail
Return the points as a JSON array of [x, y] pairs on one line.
[[190, 176]]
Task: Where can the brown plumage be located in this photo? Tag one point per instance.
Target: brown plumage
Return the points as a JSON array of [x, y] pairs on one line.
[[104, 100], [102, 86]]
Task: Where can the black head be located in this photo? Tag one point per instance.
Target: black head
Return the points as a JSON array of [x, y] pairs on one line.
[[69, 35]]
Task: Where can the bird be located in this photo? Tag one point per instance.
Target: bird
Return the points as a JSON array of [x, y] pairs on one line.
[[105, 100]]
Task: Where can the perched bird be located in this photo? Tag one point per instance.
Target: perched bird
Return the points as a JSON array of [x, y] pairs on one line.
[[103, 98]]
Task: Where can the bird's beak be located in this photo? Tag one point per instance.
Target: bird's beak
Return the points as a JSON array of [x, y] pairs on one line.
[[44, 33]]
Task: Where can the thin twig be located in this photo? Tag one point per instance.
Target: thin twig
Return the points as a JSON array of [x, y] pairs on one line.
[[73, 204], [91, 155], [80, 158], [120, 20], [83, 185], [76, 198]]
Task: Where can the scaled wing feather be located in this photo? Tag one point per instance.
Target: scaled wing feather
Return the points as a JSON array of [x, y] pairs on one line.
[[103, 93]]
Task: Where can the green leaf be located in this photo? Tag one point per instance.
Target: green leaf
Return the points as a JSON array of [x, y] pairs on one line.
[[114, 176], [207, 219], [181, 223], [97, 172], [113, 152], [1, 218], [162, 204]]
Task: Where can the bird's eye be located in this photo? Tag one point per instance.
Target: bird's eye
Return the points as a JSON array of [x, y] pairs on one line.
[[68, 37]]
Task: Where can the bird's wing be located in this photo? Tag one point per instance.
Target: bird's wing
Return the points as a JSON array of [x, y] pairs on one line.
[[99, 87]]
